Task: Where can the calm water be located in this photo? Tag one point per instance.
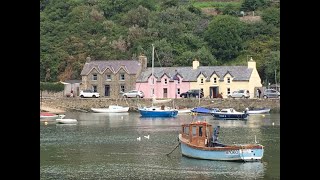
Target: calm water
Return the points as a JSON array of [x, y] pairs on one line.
[[105, 146]]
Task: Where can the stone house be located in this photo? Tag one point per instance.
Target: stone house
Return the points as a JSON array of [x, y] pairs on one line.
[[111, 77], [212, 80]]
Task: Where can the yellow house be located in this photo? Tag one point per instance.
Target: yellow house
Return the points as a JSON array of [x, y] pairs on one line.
[[215, 80]]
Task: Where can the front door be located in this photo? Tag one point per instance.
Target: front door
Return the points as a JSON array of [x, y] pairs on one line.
[[165, 92], [214, 91], [107, 90]]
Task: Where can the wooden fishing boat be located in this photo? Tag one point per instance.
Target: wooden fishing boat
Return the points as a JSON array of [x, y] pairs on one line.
[[197, 140]]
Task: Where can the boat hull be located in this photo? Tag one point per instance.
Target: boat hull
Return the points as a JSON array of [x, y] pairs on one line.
[[234, 154], [228, 116], [260, 111], [66, 121], [110, 110], [48, 116], [158, 113]]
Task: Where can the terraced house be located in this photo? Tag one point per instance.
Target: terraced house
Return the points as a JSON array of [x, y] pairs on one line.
[[212, 80], [112, 76]]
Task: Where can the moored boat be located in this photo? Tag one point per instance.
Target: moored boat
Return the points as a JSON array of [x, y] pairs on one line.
[[111, 109], [199, 141], [158, 112], [61, 120], [230, 114], [259, 111], [46, 115]]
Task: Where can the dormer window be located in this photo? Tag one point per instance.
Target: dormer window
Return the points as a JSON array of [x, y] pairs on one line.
[[94, 77], [201, 80], [122, 77], [214, 80], [108, 77], [165, 81], [228, 80]]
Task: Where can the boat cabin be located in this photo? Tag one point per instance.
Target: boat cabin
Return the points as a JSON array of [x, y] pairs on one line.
[[200, 134]]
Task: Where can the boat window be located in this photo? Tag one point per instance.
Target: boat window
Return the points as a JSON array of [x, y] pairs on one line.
[[200, 130], [186, 130], [194, 130]]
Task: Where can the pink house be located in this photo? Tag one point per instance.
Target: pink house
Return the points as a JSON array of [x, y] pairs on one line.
[[167, 82]]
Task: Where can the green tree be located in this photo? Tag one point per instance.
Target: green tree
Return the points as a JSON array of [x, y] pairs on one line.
[[224, 37], [271, 16], [272, 70]]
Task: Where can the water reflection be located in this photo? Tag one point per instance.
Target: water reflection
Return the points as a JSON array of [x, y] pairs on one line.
[[105, 146], [240, 170]]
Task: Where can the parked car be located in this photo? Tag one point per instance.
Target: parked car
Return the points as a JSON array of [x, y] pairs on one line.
[[133, 94], [192, 93], [242, 93], [271, 93], [89, 93]]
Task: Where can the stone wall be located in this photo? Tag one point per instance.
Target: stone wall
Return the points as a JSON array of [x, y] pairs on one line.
[[84, 104]]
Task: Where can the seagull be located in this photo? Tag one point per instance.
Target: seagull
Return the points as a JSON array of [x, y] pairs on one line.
[[139, 138], [147, 136]]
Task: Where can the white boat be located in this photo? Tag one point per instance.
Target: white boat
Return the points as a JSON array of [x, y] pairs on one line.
[[259, 111], [111, 109], [61, 120], [184, 111]]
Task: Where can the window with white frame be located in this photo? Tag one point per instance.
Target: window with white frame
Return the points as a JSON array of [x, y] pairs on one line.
[[108, 77], [215, 80], [165, 81], [94, 77], [201, 80], [228, 80], [228, 91], [122, 77], [178, 91]]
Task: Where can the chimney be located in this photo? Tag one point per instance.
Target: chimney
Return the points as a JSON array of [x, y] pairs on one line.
[[88, 59], [143, 61], [195, 64], [251, 64]]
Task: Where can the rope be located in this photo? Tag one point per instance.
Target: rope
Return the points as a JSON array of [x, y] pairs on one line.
[[173, 149]]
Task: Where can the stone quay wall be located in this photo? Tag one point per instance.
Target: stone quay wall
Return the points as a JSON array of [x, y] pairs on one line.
[[84, 104]]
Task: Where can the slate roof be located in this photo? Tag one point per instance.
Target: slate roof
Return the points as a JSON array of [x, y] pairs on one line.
[[130, 66], [239, 73]]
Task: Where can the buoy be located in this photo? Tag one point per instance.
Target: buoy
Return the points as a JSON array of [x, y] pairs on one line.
[[45, 123], [273, 124]]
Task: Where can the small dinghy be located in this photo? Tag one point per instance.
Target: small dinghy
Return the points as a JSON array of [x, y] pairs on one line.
[[61, 120]]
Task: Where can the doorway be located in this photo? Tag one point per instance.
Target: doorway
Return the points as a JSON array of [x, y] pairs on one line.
[[214, 91], [107, 90]]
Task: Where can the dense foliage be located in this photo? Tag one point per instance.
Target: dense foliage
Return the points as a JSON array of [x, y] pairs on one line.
[[72, 30], [52, 87]]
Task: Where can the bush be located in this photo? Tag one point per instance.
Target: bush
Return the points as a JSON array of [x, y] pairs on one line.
[[51, 87]]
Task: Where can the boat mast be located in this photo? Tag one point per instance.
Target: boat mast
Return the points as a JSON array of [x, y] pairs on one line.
[[152, 71]]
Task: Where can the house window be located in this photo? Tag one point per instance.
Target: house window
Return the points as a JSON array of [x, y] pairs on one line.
[[201, 80], [152, 91], [122, 89], [179, 81], [108, 77], [228, 91], [228, 80], [94, 88], [215, 80], [94, 77], [165, 81], [178, 90], [152, 81], [122, 77]]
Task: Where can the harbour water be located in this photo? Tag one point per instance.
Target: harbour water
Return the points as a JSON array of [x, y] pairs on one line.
[[105, 146]]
